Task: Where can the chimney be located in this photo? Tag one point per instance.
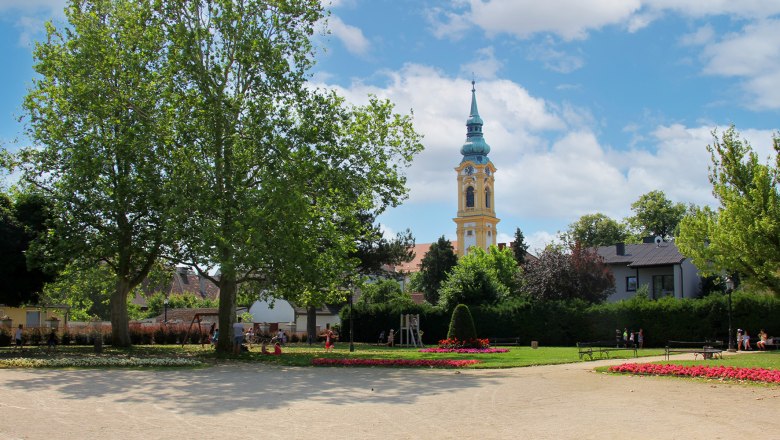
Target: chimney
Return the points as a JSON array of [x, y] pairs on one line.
[[620, 249]]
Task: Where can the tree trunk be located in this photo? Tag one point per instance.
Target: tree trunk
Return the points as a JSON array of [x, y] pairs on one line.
[[120, 329], [311, 324], [227, 311]]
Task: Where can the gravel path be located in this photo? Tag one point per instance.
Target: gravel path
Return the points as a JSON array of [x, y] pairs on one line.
[[259, 401]]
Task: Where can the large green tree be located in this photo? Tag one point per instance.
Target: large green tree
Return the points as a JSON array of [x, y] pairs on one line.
[[655, 215], [593, 230], [99, 111], [276, 174], [23, 218], [519, 247], [480, 278], [742, 234], [435, 267]]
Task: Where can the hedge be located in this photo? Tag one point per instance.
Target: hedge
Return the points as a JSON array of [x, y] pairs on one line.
[[563, 323]]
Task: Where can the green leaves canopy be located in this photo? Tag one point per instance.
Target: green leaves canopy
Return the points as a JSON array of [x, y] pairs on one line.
[[743, 234]]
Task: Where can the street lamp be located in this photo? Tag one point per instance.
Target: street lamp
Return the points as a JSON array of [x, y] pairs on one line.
[[165, 303], [729, 289], [351, 340]]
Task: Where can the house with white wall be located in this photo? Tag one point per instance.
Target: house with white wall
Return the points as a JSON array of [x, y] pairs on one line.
[[658, 264]]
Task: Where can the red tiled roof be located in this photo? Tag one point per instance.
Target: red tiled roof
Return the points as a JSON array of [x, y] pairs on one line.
[[419, 253]]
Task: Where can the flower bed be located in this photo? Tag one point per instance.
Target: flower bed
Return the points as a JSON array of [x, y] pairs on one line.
[[732, 373], [464, 350], [433, 363], [99, 362], [464, 343]]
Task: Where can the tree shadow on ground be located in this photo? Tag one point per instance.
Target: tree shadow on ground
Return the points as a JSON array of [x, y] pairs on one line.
[[236, 386]]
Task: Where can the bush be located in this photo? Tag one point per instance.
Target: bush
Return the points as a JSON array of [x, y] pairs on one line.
[[462, 324], [5, 337]]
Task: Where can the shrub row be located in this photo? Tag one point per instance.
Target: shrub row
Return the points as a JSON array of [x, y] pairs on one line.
[[564, 323]]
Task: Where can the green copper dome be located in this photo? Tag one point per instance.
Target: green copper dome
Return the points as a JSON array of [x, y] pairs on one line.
[[475, 149]]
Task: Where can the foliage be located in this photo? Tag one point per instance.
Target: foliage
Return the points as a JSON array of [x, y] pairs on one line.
[[519, 247], [23, 217], [594, 230], [743, 234], [580, 273], [480, 278], [156, 302], [384, 291], [462, 326], [435, 268], [100, 110], [375, 252], [655, 215]]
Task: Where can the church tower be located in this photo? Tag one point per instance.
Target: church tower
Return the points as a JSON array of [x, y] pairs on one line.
[[476, 218]]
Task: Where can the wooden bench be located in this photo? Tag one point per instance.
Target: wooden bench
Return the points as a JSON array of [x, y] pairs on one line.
[[602, 348], [504, 341], [707, 349]]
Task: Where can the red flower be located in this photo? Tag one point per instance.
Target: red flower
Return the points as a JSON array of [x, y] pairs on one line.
[[438, 363], [717, 372]]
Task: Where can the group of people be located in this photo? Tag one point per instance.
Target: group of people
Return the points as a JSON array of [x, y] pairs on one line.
[[629, 338], [52, 340], [743, 340], [390, 338]]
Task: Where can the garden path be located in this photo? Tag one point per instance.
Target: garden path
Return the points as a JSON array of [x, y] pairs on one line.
[[260, 401]]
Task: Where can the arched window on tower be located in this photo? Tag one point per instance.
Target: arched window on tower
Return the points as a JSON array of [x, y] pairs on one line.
[[470, 197], [487, 197]]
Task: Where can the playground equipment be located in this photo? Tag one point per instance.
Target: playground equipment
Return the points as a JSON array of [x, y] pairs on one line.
[[410, 330]]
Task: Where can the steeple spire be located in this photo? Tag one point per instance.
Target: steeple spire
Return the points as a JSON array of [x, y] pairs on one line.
[[475, 148]]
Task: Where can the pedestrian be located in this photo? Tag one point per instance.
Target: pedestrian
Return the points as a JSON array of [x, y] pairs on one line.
[[213, 333], [238, 336], [381, 337], [18, 337], [641, 337], [739, 339], [52, 341], [746, 341], [391, 338], [625, 337], [329, 337]]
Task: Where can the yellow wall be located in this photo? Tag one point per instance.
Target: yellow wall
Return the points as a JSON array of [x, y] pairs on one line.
[[18, 315]]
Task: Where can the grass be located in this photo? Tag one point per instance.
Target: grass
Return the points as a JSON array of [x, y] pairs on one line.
[[302, 354]]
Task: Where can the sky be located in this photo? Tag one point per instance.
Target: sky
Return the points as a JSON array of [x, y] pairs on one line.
[[587, 104]]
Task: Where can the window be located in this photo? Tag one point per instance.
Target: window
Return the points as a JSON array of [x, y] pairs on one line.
[[469, 233], [470, 197], [663, 285], [630, 284], [487, 198]]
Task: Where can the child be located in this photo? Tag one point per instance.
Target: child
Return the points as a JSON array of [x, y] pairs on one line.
[[51, 342]]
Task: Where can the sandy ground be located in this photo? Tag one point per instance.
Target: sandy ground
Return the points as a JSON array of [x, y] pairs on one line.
[[258, 401]]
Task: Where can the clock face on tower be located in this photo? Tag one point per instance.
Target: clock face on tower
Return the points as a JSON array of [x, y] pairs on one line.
[[469, 170]]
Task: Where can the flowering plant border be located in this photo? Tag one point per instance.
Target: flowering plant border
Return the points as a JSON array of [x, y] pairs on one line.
[[99, 362], [414, 363], [464, 350], [464, 343], [703, 371]]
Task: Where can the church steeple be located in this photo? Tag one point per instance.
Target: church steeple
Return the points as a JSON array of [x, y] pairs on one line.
[[475, 149], [476, 220]]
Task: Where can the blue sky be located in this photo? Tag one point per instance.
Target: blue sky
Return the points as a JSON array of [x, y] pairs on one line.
[[587, 104]]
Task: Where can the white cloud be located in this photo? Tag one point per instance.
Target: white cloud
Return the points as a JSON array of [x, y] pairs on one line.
[[486, 66], [351, 36], [699, 8], [56, 6], [30, 28], [553, 59], [702, 36], [570, 19], [754, 55]]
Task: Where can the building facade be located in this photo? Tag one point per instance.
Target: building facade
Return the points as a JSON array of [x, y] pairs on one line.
[[476, 219]]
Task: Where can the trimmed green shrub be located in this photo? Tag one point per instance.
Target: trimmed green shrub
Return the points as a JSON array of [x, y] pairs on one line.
[[462, 324]]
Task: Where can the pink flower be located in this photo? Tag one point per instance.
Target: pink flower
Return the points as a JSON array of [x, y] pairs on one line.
[[464, 350]]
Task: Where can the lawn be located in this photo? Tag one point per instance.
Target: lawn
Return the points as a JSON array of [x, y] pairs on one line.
[[302, 354]]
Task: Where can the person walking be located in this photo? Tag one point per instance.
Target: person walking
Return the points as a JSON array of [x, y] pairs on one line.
[[238, 336], [18, 337]]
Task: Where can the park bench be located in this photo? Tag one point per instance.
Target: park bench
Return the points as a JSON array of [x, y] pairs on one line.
[[504, 341], [602, 348], [707, 349]]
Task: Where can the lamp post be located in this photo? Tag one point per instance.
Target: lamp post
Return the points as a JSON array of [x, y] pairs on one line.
[[729, 289], [165, 304], [351, 340]]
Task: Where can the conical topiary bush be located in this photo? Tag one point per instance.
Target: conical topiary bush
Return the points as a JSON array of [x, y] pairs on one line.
[[462, 325]]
